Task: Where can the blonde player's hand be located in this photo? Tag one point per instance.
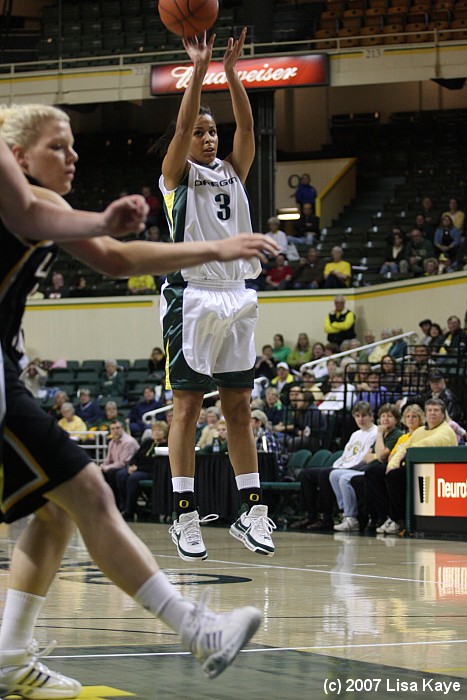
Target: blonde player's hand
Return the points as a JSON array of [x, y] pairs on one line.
[[125, 215], [247, 245]]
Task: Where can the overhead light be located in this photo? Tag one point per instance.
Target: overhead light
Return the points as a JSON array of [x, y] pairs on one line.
[[288, 214]]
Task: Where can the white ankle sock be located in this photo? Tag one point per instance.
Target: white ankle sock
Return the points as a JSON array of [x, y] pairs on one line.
[[19, 619], [163, 600], [183, 483], [248, 481]]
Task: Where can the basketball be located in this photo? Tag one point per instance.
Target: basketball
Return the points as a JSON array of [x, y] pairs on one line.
[[188, 17]]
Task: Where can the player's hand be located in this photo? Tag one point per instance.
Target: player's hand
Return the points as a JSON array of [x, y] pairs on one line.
[[247, 245], [126, 215], [234, 50], [198, 49]]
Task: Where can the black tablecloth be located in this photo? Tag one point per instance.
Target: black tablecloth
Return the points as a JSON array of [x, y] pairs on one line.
[[215, 487]]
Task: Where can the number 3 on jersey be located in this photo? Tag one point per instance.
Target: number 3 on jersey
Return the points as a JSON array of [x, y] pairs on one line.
[[223, 212]]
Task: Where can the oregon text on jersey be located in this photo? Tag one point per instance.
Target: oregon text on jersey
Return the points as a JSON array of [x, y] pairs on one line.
[[221, 183]]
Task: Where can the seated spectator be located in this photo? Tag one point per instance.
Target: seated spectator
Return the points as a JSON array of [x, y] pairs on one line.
[[447, 238], [425, 326], [361, 376], [301, 353], [154, 206], [376, 496], [273, 408], [121, 449], [436, 334], [416, 373], [201, 423], [34, 378], [373, 391], [349, 363], [389, 374], [340, 394], [432, 217], [265, 364], [277, 235], [110, 415], [154, 234], [300, 423], [283, 379], [280, 351], [112, 382], [339, 324], [156, 364], [219, 440], [318, 351], [141, 467], [79, 288], [142, 284], [436, 433], [368, 338], [61, 397], [388, 433], [148, 403], [454, 341], [331, 366], [417, 250], [87, 408], [445, 264], [338, 272], [358, 451], [309, 272], [439, 390], [395, 252], [264, 438], [212, 415], [71, 423], [305, 192], [378, 352], [306, 228], [57, 290], [398, 347], [315, 482], [310, 386], [279, 275], [430, 267], [457, 216]]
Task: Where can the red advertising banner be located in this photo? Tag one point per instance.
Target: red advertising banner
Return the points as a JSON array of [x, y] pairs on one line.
[[255, 73], [451, 490]]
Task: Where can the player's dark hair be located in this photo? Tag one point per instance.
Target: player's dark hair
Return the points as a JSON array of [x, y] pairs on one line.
[[159, 148]]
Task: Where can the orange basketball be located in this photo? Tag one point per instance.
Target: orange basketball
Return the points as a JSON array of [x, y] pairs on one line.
[[188, 17]]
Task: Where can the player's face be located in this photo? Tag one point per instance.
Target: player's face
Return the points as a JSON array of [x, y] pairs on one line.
[[51, 158], [204, 141]]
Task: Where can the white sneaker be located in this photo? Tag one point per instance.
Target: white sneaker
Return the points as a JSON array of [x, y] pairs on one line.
[[348, 524], [254, 528], [392, 528], [22, 674], [215, 639], [186, 534], [381, 530]]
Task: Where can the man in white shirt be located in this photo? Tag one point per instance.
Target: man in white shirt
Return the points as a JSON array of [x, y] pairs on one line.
[[347, 466]]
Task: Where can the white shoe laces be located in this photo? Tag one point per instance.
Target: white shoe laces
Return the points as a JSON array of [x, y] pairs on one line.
[[190, 528], [263, 525], [33, 649]]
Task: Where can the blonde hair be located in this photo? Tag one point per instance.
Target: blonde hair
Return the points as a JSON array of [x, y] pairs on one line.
[[162, 425], [20, 125]]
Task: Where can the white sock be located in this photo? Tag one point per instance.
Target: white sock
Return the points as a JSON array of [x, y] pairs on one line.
[[163, 600], [248, 481], [183, 483], [19, 619]]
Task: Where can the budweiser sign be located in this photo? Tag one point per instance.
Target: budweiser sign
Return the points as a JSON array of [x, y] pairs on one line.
[[255, 74]]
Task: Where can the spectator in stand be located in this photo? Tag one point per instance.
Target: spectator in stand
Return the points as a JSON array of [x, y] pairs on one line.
[[432, 217], [395, 252], [280, 352], [398, 347], [87, 408], [457, 216], [337, 272], [264, 438], [154, 206], [79, 287], [279, 275], [340, 323], [57, 290], [153, 233], [307, 227], [436, 334], [318, 352], [430, 267], [373, 391], [142, 284], [361, 377], [309, 272], [34, 378], [110, 415], [425, 326], [61, 397], [436, 433], [141, 467], [273, 408], [277, 235], [207, 434], [219, 440], [266, 365], [305, 192], [283, 379], [201, 423], [454, 341], [389, 375], [439, 390], [301, 353], [148, 403], [300, 422], [368, 338], [71, 423], [349, 363], [339, 395], [378, 352], [417, 250], [447, 238], [122, 447], [310, 386], [415, 378], [112, 382]]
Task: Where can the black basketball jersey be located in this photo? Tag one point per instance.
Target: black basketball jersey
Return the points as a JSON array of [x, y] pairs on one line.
[[23, 264]]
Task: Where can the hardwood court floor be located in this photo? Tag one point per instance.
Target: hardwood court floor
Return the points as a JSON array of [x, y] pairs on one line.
[[344, 615]]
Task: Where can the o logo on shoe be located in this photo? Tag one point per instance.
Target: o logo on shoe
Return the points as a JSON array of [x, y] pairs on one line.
[[254, 497], [184, 503]]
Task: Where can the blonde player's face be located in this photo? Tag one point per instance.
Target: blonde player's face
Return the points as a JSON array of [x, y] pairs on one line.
[[204, 141], [51, 158]]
